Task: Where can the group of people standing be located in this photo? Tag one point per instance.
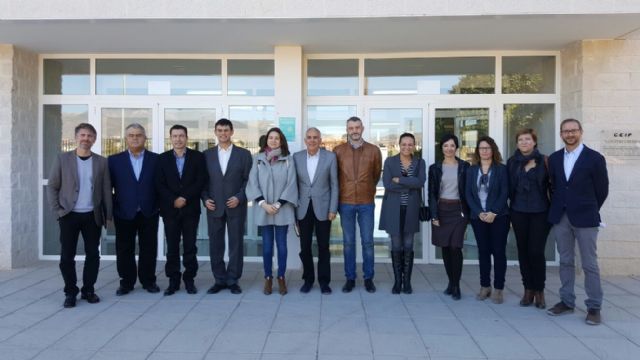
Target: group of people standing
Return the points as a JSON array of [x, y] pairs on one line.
[[306, 190]]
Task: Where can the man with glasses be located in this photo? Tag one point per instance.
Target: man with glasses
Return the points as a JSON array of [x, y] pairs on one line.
[[579, 186], [135, 211]]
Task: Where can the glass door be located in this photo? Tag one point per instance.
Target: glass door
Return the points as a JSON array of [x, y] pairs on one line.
[[112, 121], [383, 128], [200, 122]]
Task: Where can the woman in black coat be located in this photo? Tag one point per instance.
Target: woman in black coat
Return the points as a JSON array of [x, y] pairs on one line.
[[487, 189], [529, 194], [403, 178], [449, 212]]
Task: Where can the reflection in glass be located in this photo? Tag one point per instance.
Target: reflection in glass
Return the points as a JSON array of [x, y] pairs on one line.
[[386, 127], [158, 77], [199, 124], [66, 77], [250, 77], [332, 77], [332, 122], [461, 75], [59, 122], [528, 74], [114, 122], [468, 125], [251, 122], [541, 118]]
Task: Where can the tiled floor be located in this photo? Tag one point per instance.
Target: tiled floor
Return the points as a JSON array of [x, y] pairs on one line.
[[424, 325]]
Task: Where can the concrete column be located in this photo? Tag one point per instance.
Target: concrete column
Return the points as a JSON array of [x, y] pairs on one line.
[[19, 139], [288, 104]]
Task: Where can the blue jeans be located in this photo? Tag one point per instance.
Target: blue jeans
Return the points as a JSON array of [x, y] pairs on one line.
[[364, 214], [267, 248]]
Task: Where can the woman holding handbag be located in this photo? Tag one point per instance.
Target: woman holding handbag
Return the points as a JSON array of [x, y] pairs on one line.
[[403, 178], [449, 211]]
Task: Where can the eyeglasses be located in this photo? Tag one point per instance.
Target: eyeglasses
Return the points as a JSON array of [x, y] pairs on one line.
[[570, 131]]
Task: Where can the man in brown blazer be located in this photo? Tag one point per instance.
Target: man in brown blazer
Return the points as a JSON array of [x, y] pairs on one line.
[[79, 194]]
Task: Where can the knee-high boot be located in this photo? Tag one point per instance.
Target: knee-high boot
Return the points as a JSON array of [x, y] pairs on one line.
[[396, 262], [408, 268]]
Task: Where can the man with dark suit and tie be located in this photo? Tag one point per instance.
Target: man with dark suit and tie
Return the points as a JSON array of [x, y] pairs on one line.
[[228, 167], [579, 185], [181, 175], [317, 172], [79, 192], [135, 211]]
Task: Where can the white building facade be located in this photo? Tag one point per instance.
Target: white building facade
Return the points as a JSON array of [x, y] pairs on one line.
[[472, 68]]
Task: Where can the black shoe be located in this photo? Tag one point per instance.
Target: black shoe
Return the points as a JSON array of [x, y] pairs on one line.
[[235, 289], [69, 301], [306, 287], [593, 317], [91, 298], [171, 289], [325, 289], [190, 287], [455, 292], [216, 288], [368, 285], [123, 290], [448, 290], [152, 288], [348, 286]]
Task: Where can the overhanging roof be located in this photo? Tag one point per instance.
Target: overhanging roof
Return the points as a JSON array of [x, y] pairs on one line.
[[337, 35]]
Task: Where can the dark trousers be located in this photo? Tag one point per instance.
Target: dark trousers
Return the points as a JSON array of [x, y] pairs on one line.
[[229, 274], [183, 228], [323, 232], [531, 230], [146, 229], [492, 240], [71, 226]]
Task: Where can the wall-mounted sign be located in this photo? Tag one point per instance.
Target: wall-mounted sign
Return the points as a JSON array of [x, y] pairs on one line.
[[623, 144], [288, 126]]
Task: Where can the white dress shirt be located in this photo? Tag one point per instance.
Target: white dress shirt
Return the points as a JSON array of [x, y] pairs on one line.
[[312, 164], [223, 157], [570, 158]]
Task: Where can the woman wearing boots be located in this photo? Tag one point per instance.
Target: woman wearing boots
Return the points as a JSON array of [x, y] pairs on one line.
[[529, 194], [403, 177], [273, 188], [449, 212], [487, 190]]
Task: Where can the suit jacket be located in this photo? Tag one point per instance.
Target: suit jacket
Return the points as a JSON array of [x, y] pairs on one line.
[[220, 187], [435, 180], [129, 193], [170, 185], [64, 186], [582, 195], [322, 190], [498, 190], [411, 185]]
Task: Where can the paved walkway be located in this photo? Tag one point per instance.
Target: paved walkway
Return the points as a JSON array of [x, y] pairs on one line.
[[425, 325]]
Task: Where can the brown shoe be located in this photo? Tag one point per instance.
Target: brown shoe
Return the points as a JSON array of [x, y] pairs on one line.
[[497, 297], [527, 298], [538, 299], [560, 309], [268, 285], [593, 317], [484, 293], [282, 285]]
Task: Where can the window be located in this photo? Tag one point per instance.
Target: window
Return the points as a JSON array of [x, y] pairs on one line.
[[66, 77], [332, 77], [528, 74], [250, 77]]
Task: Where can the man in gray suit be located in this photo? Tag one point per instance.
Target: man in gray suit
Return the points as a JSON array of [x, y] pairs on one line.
[[79, 194], [317, 172], [224, 197]]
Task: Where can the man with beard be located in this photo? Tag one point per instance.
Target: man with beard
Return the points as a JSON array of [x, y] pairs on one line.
[[579, 186]]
